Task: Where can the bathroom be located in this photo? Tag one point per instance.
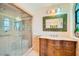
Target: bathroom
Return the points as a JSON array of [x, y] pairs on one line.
[[23, 26]]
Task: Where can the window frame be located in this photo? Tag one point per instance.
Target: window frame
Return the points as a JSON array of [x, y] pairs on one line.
[[6, 26]]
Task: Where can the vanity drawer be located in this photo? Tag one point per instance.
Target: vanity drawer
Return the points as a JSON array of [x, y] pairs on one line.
[[69, 52], [69, 45], [55, 43], [59, 52], [50, 51], [43, 41]]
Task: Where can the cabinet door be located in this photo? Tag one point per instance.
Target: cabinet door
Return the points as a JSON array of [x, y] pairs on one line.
[[69, 52], [55, 48], [43, 47], [51, 49], [59, 48], [69, 48]]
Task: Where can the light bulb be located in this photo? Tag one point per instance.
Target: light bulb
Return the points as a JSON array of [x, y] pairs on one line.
[[58, 10]]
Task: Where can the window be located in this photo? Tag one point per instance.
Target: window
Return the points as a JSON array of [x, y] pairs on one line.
[[6, 24], [18, 24]]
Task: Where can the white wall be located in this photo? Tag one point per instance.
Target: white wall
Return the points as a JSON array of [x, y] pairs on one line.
[[37, 20]]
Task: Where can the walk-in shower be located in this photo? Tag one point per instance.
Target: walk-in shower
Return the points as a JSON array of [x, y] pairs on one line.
[[15, 30]]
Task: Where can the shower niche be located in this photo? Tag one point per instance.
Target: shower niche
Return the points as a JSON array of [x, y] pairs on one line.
[[15, 30]]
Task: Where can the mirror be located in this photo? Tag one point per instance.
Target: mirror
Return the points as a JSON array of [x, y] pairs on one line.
[[55, 23]]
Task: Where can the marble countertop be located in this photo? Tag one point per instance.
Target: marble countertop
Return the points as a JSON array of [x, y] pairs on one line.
[[58, 38]]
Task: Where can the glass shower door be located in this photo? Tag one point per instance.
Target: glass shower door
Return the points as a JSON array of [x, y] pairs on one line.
[[17, 40], [22, 37], [15, 31]]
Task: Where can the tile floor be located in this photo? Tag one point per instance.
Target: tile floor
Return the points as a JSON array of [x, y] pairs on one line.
[[31, 53]]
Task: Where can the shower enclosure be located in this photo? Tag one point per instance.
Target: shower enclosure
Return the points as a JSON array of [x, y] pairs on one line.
[[15, 30]]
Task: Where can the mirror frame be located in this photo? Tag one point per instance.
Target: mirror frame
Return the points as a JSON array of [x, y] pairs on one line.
[[63, 16]]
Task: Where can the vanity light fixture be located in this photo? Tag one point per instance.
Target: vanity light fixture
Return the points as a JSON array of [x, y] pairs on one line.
[[59, 10], [55, 11], [51, 12]]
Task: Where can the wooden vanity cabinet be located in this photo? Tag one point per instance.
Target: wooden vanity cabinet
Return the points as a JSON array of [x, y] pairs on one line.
[[53, 47], [43, 47]]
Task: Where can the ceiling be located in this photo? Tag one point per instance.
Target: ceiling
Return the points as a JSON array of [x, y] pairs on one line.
[[32, 7]]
